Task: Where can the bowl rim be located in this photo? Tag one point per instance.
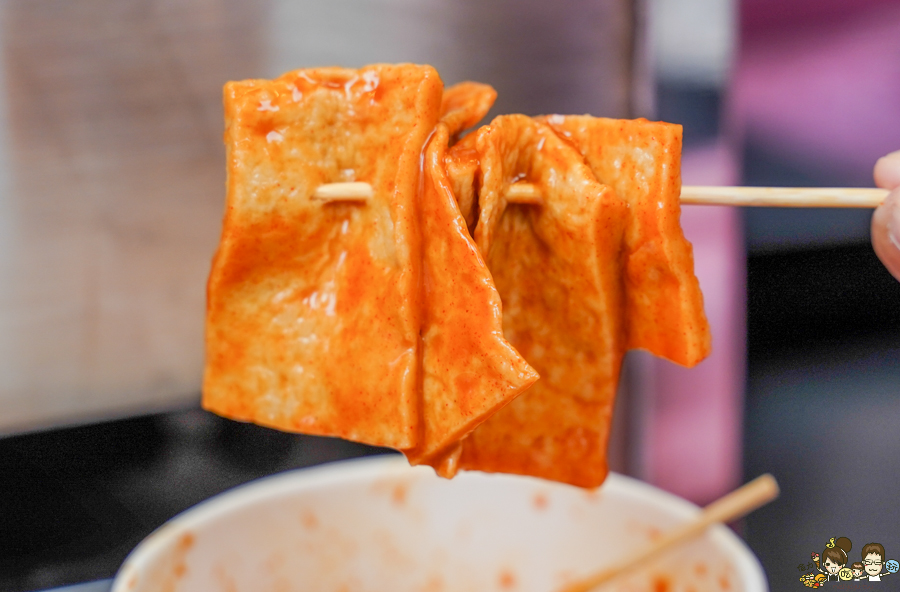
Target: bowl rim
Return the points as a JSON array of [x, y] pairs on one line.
[[748, 567]]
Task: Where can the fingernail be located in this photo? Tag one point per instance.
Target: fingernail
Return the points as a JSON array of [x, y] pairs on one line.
[[890, 159], [893, 221], [887, 170]]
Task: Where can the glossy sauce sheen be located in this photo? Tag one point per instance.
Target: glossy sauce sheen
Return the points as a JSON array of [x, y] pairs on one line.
[[641, 161], [559, 273], [420, 318], [314, 309], [465, 104], [469, 369]]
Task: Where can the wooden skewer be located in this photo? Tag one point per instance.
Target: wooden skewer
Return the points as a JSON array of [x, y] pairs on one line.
[[524, 193], [789, 197], [343, 192], [786, 197], [732, 506]]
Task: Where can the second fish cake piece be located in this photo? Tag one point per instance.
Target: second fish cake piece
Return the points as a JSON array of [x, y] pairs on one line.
[[641, 161], [469, 369], [558, 269]]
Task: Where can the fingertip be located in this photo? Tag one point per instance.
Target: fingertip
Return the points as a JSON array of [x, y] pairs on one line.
[[887, 171], [886, 233]]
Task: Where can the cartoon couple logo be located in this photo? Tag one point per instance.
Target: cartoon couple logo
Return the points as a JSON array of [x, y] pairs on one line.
[[832, 565]]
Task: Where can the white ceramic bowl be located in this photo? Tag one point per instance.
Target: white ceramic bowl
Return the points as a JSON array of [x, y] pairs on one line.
[[377, 525]]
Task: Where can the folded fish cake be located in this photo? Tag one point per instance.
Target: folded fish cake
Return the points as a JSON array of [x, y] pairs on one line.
[[641, 161], [469, 369], [465, 104], [464, 169], [557, 267], [381, 321], [313, 310]]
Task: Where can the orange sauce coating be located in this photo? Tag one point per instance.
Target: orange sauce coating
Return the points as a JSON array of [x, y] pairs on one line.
[[558, 270], [313, 310], [641, 161], [469, 369]]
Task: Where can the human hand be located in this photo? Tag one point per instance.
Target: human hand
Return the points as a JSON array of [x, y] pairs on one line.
[[886, 219]]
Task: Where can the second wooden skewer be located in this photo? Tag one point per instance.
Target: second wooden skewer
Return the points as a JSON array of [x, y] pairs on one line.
[[791, 197], [728, 508]]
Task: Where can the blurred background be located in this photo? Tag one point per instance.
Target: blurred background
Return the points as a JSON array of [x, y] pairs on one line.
[[111, 193]]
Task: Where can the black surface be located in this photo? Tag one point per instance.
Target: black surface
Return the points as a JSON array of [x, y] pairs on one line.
[[94, 586], [824, 420], [770, 229], [800, 298], [823, 405]]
